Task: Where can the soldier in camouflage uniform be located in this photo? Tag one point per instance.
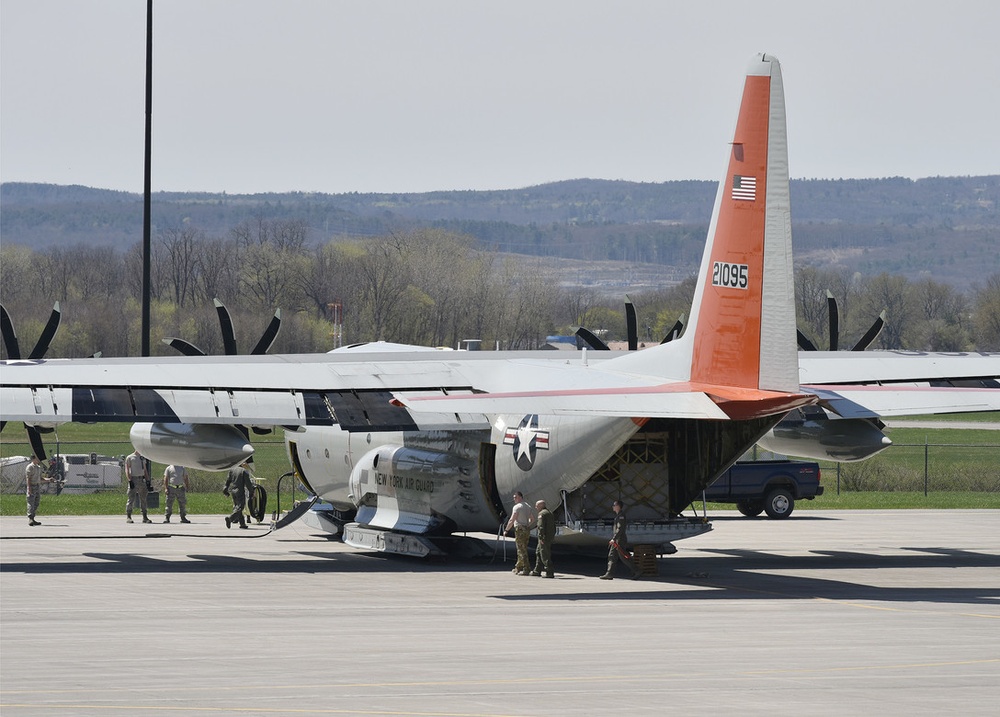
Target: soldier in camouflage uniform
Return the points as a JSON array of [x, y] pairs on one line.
[[34, 475], [546, 534], [175, 485], [138, 486], [522, 519], [618, 545], [238, 485]]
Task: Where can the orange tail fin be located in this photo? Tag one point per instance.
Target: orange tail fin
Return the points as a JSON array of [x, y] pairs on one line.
[[743, 317]]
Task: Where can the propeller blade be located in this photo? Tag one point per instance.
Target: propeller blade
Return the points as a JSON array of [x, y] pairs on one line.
[[35, 439], [804, 343], [185, 347], [631, 325], [226, 324], [876, 328], [675, 330], [267, 338], [48, 333], [591, 339], [9, 335], [834, 312]]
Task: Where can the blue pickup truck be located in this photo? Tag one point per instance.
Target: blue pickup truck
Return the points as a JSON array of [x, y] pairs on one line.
[[769, 486]]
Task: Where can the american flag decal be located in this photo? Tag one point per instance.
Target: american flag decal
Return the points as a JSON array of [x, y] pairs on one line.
[[744, 188]]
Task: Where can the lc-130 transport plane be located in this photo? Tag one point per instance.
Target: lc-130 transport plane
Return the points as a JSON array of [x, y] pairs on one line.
[[408, 445]]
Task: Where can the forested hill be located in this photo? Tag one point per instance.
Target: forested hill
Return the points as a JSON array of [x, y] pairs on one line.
[[946, 227]]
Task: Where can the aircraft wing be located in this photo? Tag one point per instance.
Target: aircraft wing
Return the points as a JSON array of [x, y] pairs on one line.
[[868, 367], [288, 390], [874, 384], [356, 390]]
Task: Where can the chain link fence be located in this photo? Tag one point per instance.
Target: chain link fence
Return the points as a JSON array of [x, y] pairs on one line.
[[924, 467]]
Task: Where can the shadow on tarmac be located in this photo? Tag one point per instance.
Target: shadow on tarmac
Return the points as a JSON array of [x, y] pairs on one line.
[[723, 575]]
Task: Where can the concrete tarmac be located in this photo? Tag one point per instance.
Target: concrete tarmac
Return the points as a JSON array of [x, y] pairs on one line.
[[826, 613]]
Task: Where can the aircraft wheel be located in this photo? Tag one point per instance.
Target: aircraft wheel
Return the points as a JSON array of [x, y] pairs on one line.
[[750, 508], [779, 503]]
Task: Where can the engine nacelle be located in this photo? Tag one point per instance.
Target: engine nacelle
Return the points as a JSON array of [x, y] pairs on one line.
[[209, 447], [818, 436], [419, 491]]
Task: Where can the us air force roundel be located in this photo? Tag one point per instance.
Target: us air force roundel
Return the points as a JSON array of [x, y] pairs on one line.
[[526, 439]]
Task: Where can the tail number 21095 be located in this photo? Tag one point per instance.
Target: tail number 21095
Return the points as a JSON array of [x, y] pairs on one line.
[[733, 276]]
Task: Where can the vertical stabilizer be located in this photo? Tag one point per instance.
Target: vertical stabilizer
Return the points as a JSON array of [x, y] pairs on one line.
[[742, 328]]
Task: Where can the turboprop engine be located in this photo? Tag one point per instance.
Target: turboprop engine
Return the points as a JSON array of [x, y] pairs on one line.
[[209, 447], [420, 491], [813, 433]]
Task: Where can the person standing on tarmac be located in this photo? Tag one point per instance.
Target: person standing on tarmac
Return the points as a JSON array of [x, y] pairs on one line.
[[34, 475], [522, 519], [138, 485], [175, 485], [618, 545], [238, 485], [546, 534]]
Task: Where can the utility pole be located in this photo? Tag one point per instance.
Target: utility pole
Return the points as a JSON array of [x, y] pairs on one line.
[[147, 182]]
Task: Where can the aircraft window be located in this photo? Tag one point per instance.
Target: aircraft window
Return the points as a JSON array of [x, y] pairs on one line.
[[309, 453], [326, 452]]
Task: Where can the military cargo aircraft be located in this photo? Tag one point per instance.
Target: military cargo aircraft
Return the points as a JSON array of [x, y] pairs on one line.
[[408, 445]]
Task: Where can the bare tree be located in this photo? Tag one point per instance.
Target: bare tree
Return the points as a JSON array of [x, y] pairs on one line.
[[179, 254], [385, 278], [889, 293]]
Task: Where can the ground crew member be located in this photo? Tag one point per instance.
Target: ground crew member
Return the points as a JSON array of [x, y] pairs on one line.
[[546, 534], [138, 485], [175, 485], [238, 485], [522, 520], [34, 475], [618, 545]]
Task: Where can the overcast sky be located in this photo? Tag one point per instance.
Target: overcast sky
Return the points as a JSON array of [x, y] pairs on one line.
[[406, 96]]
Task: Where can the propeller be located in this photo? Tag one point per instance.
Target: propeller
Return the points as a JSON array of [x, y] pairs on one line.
[[229, 345], [13, 347], [229, 335], [631, 327], [834, 317], [675, 331]]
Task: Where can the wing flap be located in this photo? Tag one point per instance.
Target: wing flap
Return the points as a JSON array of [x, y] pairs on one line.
[[673, 400], [904, 400]]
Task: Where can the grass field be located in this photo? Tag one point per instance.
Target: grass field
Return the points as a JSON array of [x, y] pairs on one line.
[[961, 468]]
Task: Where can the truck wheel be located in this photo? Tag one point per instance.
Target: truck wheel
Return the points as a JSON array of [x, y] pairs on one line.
[[779, 503], [750, 508]]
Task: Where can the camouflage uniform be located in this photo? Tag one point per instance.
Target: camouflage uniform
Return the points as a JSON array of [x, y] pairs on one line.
[[175, 482], [522, 518], [33, 487], [237, 486], [618, 548], [546, 534], [138, 488]]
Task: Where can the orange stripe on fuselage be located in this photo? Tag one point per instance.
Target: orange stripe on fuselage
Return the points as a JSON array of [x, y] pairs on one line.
[[727, 344]]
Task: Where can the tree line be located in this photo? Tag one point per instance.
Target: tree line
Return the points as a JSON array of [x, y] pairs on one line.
[[428, 287]]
